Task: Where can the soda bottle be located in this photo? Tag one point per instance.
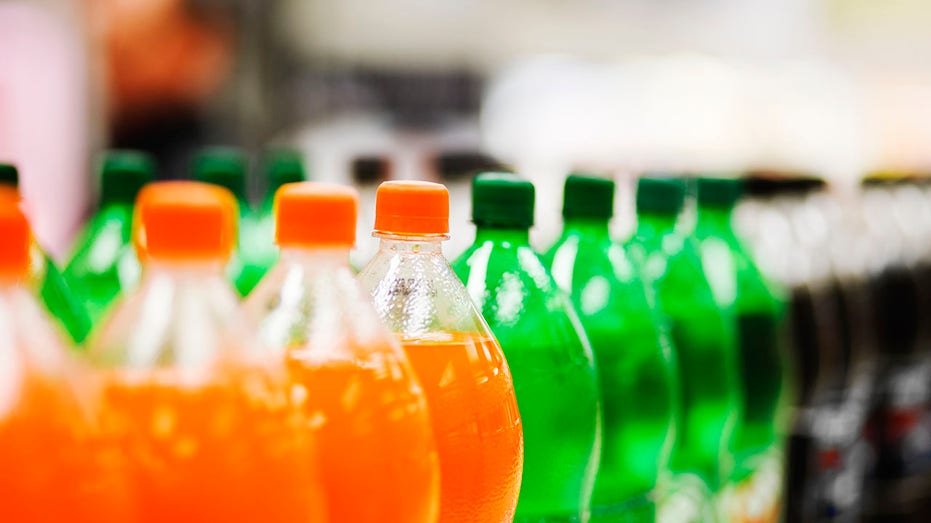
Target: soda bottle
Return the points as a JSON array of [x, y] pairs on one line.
[[105, 263], [636, 366], [55, 293], [227, 167], [759, 309], [459, 363], [547, 351], [376, 450], [899, 423], [204, 419], [703, 336], [54, 469], [281, 166]]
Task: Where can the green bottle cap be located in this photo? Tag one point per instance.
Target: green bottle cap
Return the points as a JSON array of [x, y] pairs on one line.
[[660, 195], [123, 174], [502, 200], [223, 166], [588, 196], [9, 175], [719, 192], [283, 166]]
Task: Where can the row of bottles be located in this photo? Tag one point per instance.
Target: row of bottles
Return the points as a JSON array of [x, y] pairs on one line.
[[599, 381], [857, 263]]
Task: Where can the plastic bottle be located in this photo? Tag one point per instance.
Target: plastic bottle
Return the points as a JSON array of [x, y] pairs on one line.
[[547, 351], [759, 309], [634, 357], [105, 264], [459, 363], [282, 166], [203, 417], [376, 449], [56, 295], [54, 469], [703, 336], [227, 167]]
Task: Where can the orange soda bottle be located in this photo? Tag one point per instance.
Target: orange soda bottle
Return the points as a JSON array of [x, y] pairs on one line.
[[459, 363], [376, 451], [203, 419], [54, 468]]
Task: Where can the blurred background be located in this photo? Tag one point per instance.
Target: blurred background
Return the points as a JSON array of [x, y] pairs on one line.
[[436, 90]]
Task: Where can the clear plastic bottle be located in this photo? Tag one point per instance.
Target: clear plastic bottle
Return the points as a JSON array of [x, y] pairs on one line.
[[203, 418], [54, 291], [548, 352], [459, 363], [376, 450], [54, 468]]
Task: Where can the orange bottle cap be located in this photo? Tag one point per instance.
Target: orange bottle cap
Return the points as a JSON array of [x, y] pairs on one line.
[[186, 220], [315, 214], [412, 207], [15, 237]]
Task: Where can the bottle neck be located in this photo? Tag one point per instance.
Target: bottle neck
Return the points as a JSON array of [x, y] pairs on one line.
[[410, 244], [199, 267], [717, 217], [655, 223], [588, 227], [337, 256], [518, 236]]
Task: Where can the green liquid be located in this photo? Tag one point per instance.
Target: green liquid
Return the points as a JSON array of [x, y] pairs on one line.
[[761, 379], [554, 375], [60, 301], [704, 339], [635, 365], [105, 262]]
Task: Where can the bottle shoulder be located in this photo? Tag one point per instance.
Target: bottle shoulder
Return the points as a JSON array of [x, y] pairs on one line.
[[520, 298], [29, 342], [418, 295], [191, 323], [320, 310], [733, 275]]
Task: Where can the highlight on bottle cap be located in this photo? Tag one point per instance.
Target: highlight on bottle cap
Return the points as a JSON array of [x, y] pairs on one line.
[[412, 207], [315, 214], [15, 236], [186, 220]]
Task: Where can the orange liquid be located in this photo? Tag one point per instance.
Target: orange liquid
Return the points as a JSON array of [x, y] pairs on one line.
[[53, 468], [375, 447], [231, 452], [476, 425]]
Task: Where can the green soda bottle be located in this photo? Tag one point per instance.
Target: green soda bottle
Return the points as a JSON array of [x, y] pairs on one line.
[[51, 287], [227, 167], [281, 166], [759, 310], [104, 263], [702, 334], [547, 351], [636, 366]]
